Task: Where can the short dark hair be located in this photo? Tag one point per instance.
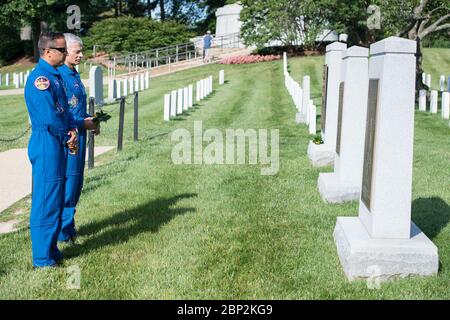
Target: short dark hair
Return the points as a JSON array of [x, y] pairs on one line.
[[47, 40]]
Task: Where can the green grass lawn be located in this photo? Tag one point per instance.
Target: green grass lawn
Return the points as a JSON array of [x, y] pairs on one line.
[[150, 229]]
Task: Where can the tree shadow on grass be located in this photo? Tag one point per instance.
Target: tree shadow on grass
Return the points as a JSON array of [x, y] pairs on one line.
[[431, 215], [125, 225]]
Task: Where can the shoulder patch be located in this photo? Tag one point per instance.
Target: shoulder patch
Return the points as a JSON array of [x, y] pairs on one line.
[[42, 83]]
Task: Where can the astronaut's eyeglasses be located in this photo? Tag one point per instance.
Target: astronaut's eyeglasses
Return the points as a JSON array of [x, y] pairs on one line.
[[62, 50]]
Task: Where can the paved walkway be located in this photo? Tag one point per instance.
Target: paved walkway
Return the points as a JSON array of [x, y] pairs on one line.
[[15, 173]]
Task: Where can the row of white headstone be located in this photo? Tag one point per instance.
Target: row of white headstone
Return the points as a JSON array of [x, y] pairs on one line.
[[18, 79], [178, 101], [445, 102], [123, 87], [426, 79], [368, 132], [306, 110]]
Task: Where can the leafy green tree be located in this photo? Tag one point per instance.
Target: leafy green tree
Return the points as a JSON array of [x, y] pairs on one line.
[[288, 21], [128, 34]]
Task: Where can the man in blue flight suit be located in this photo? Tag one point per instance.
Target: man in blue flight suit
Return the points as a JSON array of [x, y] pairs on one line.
[[76, 97], [53, 130]]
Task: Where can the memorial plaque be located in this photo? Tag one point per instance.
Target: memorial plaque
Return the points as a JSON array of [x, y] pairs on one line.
[[339, 124], [372, 106], [324, 98]]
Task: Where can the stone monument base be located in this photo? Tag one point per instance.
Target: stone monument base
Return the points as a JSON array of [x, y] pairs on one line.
[[363, 257], [320, 155], [333, 190]]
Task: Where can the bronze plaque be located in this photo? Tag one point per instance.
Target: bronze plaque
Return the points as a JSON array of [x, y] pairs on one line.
[[372, 106], [339, 124], [324, 98]]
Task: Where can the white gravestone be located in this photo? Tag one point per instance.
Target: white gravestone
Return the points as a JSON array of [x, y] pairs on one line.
[[96, 84], [185, 98], [422, 100], [147, 80], [323, 154], [167, 107], [16, 81], [112, 90], [428, 80], [445, 103], [210, 84], [7, 80], [312, 118], [344, 183], [1, 78], [424, 78], [285, 71], [21, 78], [25, 79], [382, 241], [131, 82], [202, 89], [136, 83], [221, 77], [142, 86], [118, 88], [197, 92], [191, 96], [173, 103], [305, 100], [442, 83], [125, 87], [434, 101], [180, 101]]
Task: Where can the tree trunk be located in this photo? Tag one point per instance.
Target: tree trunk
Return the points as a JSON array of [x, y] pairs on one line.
[[162, 9], [37, 27]]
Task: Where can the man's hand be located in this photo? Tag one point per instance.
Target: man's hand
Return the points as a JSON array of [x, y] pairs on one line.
[[97, 130], [73, 138], [89, 123]]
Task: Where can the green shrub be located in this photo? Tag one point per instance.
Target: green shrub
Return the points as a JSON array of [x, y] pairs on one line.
[[128, 34], [10, 45]]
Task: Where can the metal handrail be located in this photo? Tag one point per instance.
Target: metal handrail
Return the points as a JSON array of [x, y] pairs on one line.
[[170, 54]]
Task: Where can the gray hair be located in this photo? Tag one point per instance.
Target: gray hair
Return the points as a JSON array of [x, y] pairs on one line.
[[72, 39]]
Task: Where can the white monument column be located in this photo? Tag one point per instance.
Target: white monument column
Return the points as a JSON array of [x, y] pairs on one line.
[[344, 183], [382, 241], [323, 154]]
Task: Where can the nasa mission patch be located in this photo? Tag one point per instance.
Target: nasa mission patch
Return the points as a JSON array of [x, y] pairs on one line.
[[73, 101], [42, 83]]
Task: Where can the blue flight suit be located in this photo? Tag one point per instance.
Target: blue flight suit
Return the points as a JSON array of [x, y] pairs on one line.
[[76, 97], [46, 101]]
